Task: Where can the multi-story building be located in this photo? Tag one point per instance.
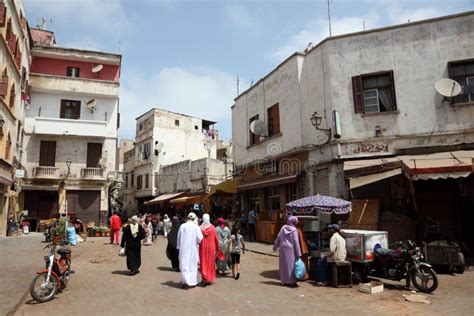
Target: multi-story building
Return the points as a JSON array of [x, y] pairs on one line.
[[164, 138], [14, 69], [362, 96], [70, 130], [128, 186]]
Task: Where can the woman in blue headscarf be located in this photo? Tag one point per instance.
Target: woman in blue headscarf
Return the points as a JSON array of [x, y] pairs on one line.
[[288, 247]]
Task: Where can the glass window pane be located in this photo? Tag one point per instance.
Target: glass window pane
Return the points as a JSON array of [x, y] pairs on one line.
[[371, 109], [458, 70], [470, 69], [369, 83], [371, 101], [370, 94], [383, 81]]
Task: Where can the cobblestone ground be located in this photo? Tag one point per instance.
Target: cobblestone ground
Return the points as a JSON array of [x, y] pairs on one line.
[[101, 286]]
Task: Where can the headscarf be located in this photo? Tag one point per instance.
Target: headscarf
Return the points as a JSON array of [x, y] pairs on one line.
[[192, 216], [206, 219], [220, 222], [292, 221], [134, 226]]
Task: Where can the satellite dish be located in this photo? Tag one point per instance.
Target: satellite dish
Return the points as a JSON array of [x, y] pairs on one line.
[[258, 127], [448, 87], [91, 103], [97, 68], [159, 146]]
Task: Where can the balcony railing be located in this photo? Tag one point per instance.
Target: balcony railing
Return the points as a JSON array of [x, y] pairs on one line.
[[92, 173], [46, 172]]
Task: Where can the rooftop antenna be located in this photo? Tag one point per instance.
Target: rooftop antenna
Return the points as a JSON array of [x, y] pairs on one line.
[[363, 25], [329, 18], [50, 24], [237, 84]]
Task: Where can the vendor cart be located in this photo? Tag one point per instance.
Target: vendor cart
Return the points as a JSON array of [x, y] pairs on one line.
[[360, 243], [445, 253]]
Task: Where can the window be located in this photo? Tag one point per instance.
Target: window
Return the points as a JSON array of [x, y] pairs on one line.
[[12, 96], [11, 38], [139, 182], [176, 122], [463, 73], [140, 126], [132, 179], [8, 147], [146, 150], [254, 200], [73, 72], [3, 14], [4, 83], [47, 153], [291, 192], [254, 138], [374, 93], [272, 198], [147, 181], [94, 154], [70, 109], [273, 114], [126, 180]]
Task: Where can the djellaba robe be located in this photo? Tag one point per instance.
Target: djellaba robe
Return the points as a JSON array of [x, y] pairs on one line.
[[207, 253], [189, 238], [223, 233], [288, 248], [132, 247], [172, 248]]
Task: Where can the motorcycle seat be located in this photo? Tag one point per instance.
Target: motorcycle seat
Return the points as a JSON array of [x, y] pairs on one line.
[[383, 252], [64, 251]]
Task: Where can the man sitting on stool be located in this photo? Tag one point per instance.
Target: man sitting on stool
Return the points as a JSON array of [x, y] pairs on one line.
[[337, 246]]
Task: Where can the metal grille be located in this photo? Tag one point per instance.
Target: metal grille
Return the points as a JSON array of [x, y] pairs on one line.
[[321, 182]]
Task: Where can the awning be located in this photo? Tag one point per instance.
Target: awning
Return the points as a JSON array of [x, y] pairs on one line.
[[367, 179], [229, 186], [441, 165], [187, 199], [267, 182], [163, 198]]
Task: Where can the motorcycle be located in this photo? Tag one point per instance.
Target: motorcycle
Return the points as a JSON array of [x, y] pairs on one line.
[[55, 276], [401, 261]]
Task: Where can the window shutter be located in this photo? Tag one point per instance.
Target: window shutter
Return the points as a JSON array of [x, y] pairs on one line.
[[12, 42], [4, 85], [12, 96], [118, 120], [392, 87], [276, 119], [47, 153], [77, 110], [62, 112], [18, 57], [24, 22], [3, 14], [357, 94]]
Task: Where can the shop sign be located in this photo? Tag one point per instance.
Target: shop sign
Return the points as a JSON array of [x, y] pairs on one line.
[[19, 173]]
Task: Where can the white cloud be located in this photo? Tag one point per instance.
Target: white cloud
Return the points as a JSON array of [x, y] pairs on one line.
[[316, 30], [240, 16], [199, 91]]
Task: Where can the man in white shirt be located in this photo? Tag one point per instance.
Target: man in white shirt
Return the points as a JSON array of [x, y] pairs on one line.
[[337, 245]]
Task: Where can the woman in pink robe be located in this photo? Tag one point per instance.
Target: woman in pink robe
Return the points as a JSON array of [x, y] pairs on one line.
[[207, 251], [289, 251]]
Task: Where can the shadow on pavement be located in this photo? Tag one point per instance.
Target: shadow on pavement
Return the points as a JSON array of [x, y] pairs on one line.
[[121, 272], [32, 302], [271, 274], [166, 269], [271, 283], [176, 285]]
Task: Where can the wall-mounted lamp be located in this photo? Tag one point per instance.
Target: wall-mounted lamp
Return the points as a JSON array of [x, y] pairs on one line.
[[316, 121]]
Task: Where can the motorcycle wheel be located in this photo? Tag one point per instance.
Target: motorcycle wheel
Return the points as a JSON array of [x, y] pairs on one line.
[[460, 268], [40, 294], [426, 281]]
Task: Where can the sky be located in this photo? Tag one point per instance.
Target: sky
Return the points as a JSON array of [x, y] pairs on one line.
[[185, 56]]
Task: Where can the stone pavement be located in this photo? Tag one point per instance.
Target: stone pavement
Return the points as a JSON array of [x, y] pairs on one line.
[[101, 286], [261, 248]]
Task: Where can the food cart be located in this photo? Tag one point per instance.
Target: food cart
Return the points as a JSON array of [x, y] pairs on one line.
[[360, 243]]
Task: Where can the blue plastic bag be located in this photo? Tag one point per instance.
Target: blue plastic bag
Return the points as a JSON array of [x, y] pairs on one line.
[[300, 269], [71, 236]]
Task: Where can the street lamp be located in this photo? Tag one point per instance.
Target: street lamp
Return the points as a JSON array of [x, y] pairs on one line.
[[316, 122], [68, 164]]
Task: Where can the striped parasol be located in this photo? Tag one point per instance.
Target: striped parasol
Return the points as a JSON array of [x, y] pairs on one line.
[[320, 203]]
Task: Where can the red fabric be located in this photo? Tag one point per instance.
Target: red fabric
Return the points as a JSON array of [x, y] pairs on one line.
[[115, 222], [115, 232], [207, 253]]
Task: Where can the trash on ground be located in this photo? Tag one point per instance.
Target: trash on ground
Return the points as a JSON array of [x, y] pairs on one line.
[[416, 298]]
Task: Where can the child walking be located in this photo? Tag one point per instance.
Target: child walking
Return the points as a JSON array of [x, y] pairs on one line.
[[237, 245]]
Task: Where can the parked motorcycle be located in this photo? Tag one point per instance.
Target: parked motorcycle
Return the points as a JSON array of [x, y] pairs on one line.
[[401, 261], [55, 276]]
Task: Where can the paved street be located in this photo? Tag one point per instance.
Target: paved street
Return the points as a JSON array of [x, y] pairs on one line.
[[101, 286]]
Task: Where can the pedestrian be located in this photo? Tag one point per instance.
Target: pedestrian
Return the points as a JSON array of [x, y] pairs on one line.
[[289, 251], [337, 253], [252, 223], [304, 248], [154, 224], [148, 228], [166, 224], [189, 238], [115, 225], [172, 251], [237, 246], [223, 233], [207, 251], [131, 243]]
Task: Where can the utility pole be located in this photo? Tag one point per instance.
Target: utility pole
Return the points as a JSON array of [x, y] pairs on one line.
[[329, 18]]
